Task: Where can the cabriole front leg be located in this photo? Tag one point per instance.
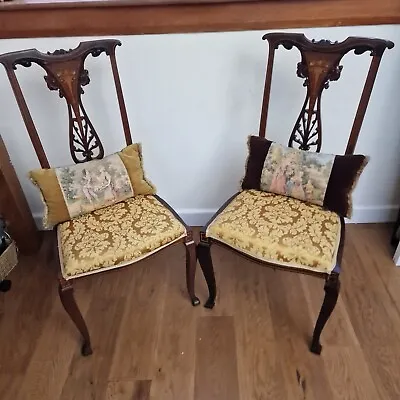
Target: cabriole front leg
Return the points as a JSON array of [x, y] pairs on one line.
[[332, 288], [66, 292]]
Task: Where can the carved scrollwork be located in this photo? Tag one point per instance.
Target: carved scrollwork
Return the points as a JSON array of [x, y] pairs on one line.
[[331, 73], [323, 42], [54, 83], [287, 44], [302, 72], [97, 51], [84, 78], [358, 44], [58, 52], [23, 62]]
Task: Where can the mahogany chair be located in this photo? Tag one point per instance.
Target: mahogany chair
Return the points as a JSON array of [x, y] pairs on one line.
[[66, 73], [320, 64]]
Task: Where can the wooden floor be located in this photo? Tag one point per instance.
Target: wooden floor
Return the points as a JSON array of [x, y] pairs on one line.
[[149, 343]]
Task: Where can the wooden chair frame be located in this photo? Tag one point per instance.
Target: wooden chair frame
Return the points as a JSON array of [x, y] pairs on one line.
[[66, 74], [320, 64]]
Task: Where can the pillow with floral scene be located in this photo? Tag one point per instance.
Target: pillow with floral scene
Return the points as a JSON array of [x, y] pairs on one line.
[[79, 189], [324, 179]]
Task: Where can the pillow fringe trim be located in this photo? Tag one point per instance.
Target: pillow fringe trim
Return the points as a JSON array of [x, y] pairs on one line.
[[150, 183], [349, 213], [246, 162]]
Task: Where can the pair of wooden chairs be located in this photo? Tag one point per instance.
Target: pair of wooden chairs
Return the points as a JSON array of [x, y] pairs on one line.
[[66, 73]]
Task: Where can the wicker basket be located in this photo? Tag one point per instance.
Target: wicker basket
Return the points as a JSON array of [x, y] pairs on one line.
[[8, 259]]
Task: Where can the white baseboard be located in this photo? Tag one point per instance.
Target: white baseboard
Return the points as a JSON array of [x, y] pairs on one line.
[[361, 214], [374, 214], [196, 217], [38, 218]]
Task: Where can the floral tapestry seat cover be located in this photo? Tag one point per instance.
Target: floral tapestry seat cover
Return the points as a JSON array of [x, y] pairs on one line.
[[280, 230], [116, 236]]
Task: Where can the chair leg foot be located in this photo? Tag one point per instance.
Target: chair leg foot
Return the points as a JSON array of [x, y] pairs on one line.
[[191, 261], [66, 292], [195, 301], [316, 348], [332, 288], [5, 285], [86, 349], [210, 303], [205, 260]]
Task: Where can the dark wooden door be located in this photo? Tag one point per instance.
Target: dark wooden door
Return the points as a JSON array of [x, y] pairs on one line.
[[14, 207]]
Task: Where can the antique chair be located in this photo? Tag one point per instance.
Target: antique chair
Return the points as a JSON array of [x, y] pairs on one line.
[[246, 217], [153, 226]]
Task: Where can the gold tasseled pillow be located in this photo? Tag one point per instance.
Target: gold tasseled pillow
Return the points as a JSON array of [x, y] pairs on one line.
[[79, 189]]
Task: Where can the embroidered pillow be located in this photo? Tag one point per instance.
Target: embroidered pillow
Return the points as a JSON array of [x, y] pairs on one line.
[[82, 188], [324, 179]]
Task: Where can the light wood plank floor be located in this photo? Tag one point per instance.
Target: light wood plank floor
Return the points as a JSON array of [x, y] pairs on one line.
[[149, 343]]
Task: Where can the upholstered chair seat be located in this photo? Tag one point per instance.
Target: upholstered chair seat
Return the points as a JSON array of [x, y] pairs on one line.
[[116, 236], [279, 230]]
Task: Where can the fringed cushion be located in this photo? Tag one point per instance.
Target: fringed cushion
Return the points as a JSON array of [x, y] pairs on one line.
[[280, 230], [71, 191], [116, 236], [324, 179]]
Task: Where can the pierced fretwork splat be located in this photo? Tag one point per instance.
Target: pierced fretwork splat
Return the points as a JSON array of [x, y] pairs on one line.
[[69, 78], [65, 73], [84, 142], [319, 65], [306, 132], [317, 70]]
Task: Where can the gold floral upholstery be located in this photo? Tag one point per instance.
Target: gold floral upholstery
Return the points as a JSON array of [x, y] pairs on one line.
[[116, 236], [280, 230]]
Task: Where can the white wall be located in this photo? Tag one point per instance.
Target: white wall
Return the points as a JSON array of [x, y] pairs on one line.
[[192, 100]]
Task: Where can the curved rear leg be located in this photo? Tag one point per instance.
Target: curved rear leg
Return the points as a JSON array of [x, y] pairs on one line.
[[66, 292], [205, 260], [191, 261]]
